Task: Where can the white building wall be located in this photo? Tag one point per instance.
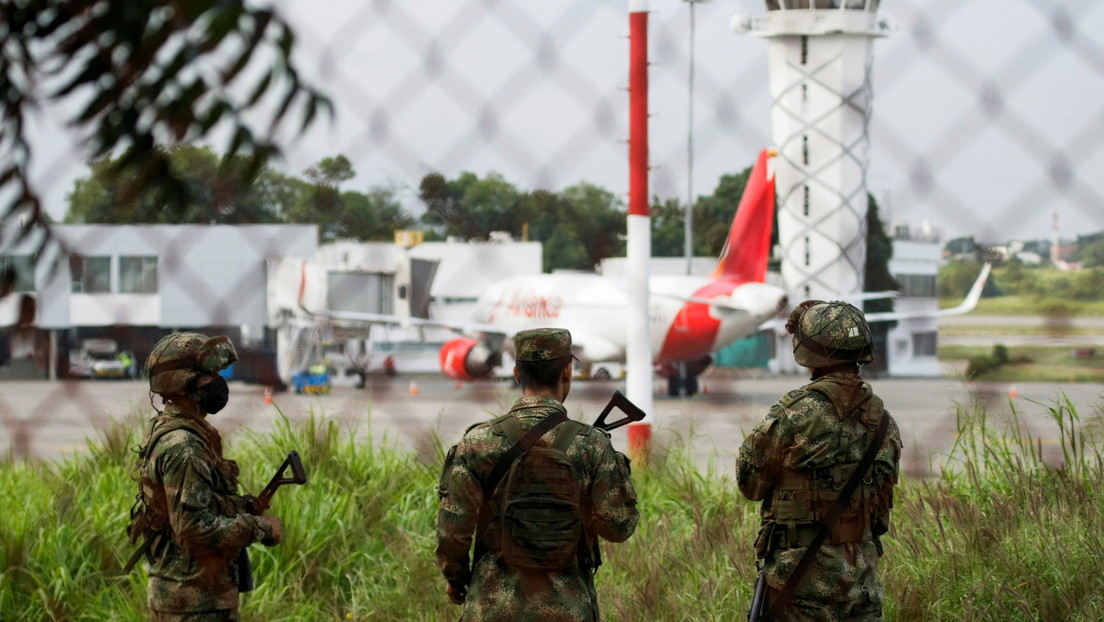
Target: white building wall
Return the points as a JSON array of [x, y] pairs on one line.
[[207, 275], [911, 345]]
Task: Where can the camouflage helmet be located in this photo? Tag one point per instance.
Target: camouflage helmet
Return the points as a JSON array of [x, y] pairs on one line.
[[829, 333], [542, 344], [180, 358]]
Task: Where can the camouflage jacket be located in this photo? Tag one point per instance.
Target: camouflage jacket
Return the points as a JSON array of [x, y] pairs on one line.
[[806, 435], [193, 568], [495, 590]]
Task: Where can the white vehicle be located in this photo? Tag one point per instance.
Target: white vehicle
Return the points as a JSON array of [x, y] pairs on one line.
[[99, 358]]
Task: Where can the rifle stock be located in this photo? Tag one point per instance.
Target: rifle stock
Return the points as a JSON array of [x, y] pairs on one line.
[[758, 599], [622, 403], [260, 503]]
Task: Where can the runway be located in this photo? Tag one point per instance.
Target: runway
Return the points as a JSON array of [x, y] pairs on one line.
[[43, 419]]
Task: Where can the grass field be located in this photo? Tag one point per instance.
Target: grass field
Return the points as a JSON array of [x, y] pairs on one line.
[[1026, 305], [1025, 329], [999, 536], [1034, 364]]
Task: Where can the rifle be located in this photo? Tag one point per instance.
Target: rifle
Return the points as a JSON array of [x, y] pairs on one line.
[[758, 598], [632, 413], [622, 403], [257, 506]]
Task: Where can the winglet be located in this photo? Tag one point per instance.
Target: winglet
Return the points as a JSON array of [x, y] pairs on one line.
[[747, 248], [966, 306], [973, 297]]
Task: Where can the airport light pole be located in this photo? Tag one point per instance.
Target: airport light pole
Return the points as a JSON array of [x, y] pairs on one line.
[[638, 355]]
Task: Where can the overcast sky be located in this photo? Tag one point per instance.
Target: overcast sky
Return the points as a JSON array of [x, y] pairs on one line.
[[987, 114]]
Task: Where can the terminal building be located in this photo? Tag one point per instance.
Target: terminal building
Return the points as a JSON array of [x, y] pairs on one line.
[[133, 284]]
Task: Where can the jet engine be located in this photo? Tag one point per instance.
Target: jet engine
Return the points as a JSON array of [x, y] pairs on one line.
[[468, 359]]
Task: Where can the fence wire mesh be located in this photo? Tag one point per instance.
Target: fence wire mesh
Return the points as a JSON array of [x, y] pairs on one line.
[[986, 122]]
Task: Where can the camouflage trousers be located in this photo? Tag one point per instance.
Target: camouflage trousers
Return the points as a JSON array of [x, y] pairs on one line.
[[224, 615], [863, 610]]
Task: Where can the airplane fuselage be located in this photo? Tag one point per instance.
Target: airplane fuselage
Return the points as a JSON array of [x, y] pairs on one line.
[[595, 309]]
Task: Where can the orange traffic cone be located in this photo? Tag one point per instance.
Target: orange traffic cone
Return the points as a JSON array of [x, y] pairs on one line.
[[1012, 393], [413, 387], [268, 395]]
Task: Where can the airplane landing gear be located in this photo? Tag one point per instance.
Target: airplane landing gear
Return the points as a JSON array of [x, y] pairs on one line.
[[683, 382]]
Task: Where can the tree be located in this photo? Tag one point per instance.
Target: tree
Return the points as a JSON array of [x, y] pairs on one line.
[[961, 246], [372, 217], [321, 201], [146, 74], [713, 214], [219, 190], [445, 209], [668, 228], [597, 216], [1091, 255], [879, 250]]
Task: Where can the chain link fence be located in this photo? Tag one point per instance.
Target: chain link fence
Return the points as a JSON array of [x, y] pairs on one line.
[[986, 122]]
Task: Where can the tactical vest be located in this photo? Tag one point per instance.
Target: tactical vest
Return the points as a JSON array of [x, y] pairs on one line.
[[539, 506], [802, 498], [149, 516]]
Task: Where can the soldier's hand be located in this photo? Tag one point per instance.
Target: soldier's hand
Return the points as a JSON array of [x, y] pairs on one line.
[[277, 531], [456, 594]]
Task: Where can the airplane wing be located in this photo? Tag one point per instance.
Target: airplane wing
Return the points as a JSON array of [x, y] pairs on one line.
[[357, 317], [967, 305]]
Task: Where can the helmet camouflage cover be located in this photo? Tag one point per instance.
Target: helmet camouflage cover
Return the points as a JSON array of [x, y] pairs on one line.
[[829, 333], [542, 344], [180, 358]]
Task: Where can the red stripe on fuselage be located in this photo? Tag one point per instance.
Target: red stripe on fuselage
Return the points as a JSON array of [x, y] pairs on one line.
[[694, 330]]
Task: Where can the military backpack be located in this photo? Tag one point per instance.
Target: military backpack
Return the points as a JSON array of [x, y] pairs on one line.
[[540, 505]]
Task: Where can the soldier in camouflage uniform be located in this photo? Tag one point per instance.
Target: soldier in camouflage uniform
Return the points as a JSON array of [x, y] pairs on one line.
[[488, 587], [188, 508], [803, 452]]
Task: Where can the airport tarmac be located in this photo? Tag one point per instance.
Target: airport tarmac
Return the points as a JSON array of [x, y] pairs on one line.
[[48, 420]]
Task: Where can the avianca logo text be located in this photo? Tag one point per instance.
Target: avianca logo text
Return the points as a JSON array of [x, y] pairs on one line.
[[543, 307]]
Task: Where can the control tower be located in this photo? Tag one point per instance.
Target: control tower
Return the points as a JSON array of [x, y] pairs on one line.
[[820, 60]]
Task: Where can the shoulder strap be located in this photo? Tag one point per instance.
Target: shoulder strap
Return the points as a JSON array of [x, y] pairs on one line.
[[564, 437], [156, 433], [520, 446], [844, 498]]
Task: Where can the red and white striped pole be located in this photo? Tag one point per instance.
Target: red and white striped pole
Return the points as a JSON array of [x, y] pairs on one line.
[[638, 355]]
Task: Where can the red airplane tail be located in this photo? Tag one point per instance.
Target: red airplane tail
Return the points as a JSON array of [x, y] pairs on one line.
[[747, 248]]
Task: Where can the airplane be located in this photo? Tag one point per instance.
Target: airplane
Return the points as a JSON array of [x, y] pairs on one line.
[[690, 316]]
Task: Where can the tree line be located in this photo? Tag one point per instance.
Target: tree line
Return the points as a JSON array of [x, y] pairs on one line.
[[578, 226]]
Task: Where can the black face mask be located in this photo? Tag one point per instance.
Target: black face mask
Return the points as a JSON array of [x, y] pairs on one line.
[[212, 397]]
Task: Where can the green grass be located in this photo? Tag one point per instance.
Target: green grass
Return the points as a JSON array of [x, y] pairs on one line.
[[1025, 305], [1000, 330], [1034, 364], [998, 536]]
